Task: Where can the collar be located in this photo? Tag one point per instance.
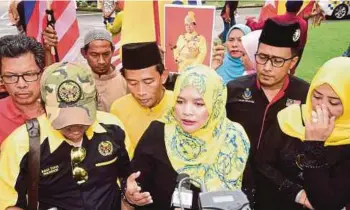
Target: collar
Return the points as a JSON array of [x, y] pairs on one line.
[[291, 14], [12, 110], [284, 87], [157, 108], [193, 34], [280, 93], [104, 77], [55, 138], [94, 128]]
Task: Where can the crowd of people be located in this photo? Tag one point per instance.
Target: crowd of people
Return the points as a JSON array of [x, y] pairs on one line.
[[77, 136]]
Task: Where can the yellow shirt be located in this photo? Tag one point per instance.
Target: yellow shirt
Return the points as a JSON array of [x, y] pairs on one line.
[[136, 118]]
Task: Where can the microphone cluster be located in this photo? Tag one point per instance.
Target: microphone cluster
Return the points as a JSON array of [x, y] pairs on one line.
[[215, 200]]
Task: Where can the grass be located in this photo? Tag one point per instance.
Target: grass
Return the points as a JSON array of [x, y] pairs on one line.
[[329, 40]]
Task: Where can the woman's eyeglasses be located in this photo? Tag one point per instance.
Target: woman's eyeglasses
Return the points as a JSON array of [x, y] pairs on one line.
[[77, 155]]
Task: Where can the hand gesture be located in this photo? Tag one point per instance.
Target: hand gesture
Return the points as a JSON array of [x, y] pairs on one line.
[[218, 56], [308, 205], [50, 38], [133, 192], [320, 126], [305, 201]]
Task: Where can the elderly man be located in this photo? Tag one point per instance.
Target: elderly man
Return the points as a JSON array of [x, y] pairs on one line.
[[98, 51], [82, 152], [21, 66]]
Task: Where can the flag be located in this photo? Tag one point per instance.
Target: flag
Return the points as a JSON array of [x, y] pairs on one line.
[[143, 21], [66, 25], [275, 7], [269, 9], [116, 61]]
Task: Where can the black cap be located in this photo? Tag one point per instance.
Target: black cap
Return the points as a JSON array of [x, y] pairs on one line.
[[294, 5], [280, 34], [140, 55]]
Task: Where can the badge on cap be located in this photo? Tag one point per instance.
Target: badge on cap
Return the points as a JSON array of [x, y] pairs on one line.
[[69, 91], [105, 148], [296, 35]]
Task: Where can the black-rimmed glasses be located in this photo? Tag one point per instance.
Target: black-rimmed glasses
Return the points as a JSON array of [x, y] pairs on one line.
[[14, 78], [275, 61], [77, 155]]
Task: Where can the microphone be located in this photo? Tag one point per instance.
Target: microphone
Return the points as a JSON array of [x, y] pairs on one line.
[[184, 191]]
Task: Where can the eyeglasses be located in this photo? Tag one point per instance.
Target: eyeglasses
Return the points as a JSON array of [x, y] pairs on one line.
[[77, 155], [14, 78], [275, 61]]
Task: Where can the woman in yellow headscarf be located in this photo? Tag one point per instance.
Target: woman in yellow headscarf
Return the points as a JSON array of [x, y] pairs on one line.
[[195, 138], [306, 163]]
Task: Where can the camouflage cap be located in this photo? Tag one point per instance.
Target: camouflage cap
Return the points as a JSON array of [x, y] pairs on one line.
[[69, 93]]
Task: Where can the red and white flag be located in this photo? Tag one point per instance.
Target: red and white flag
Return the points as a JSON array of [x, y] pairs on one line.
[[66, 25], [116, 61], [269, 9]]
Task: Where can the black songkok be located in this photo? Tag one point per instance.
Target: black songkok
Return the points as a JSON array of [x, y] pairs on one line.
[[140, 55], [280, 34]]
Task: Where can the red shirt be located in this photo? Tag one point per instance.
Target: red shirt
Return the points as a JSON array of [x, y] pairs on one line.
[[288, 17], [10, 117]]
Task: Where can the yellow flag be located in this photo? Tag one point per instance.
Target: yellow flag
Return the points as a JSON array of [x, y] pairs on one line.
[[140, 22]]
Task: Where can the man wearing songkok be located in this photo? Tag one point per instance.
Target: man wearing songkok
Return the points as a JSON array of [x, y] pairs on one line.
[[145, 76], [254, 100], [291, 16]]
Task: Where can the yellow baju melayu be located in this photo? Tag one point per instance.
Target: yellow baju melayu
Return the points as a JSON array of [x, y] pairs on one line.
[[136, 118]]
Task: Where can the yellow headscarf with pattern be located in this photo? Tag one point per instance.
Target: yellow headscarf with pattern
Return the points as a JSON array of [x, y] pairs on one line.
[[217, 153], [336, 73]]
